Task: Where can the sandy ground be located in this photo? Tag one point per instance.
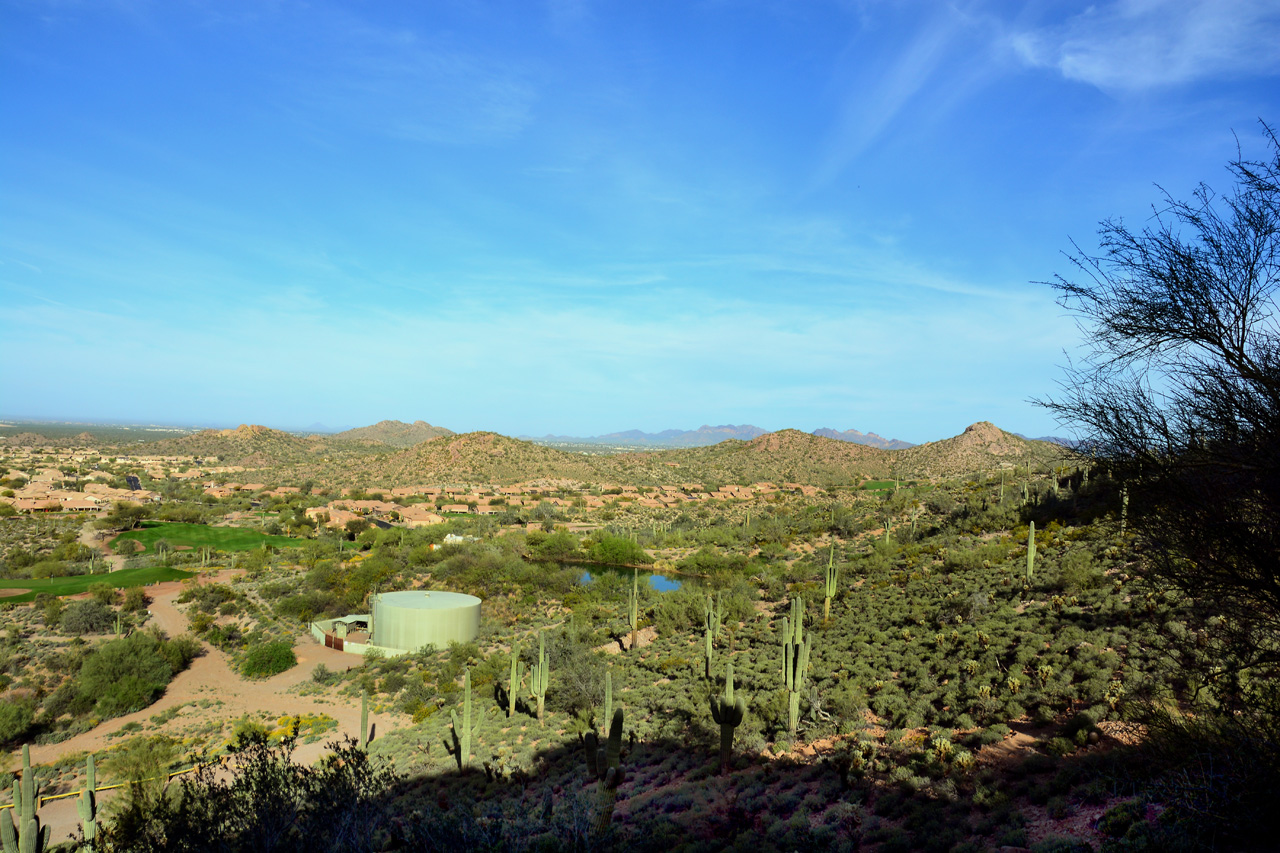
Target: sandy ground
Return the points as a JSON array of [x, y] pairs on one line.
[[210, 677], [93, 538]]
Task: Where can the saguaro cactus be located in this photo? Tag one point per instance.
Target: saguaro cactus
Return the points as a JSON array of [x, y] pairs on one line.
[[539, 676], [513, 683], [1124, 508], [708, 650], [608, 694], [28, 836], [633, 614], [1031, 550], [604, 765], [364, 718], [87, 805], [462, 729], [795, 660], [728, 712], [833, 583], [713, 615]]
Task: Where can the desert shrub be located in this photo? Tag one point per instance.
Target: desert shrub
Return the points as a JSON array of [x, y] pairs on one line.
[[16, 718], [267, 659], [135, 599], [207, 597], [324, 676], [50, 569], [87, 617], [180, 651], [1079, 571], [125, 675]]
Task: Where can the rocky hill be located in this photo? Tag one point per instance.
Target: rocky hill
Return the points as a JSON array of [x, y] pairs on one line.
[[784, 456], [250, 445], [394, 433], [478, 457], [981, 447]]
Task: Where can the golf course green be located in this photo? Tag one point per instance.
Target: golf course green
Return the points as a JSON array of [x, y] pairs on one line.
[[81, 583], [197, 536]]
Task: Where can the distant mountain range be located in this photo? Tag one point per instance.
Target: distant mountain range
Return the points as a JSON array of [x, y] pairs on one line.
[[785, 456], [706, 435]]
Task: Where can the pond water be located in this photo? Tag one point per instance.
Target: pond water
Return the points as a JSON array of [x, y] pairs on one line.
[[657, 582]]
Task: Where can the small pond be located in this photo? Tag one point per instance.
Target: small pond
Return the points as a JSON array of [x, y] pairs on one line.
[[657, 582]]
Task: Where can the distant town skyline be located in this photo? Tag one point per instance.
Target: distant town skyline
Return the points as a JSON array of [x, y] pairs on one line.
[[580, 218]]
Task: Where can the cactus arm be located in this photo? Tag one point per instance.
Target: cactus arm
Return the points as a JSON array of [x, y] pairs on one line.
[[539, 676], [87, 805], [8, 836], [832, 584]]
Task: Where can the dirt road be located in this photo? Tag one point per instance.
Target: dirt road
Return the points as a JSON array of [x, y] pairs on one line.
[[228, 696]]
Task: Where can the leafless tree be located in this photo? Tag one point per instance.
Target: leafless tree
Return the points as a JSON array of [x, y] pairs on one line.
[[1179, 395]]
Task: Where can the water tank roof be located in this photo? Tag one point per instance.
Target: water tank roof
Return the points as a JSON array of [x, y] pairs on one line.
[[427, 600]]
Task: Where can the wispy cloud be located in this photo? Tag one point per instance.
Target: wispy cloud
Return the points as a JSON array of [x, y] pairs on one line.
[[872, 100], [1136, 45]]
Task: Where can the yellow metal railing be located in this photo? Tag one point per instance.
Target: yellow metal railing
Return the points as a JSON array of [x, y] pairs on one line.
[[168, 777]]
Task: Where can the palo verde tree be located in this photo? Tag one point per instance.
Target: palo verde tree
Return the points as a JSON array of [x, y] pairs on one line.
[[1178, 397]]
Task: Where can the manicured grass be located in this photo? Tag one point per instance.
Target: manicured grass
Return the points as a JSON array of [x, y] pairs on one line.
[[202, 536], [80, 583]]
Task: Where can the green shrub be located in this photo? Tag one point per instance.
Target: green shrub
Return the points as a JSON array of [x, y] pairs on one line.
[[87, 617], [16, 717], [267, 659], [125, 675], [1115, 822]]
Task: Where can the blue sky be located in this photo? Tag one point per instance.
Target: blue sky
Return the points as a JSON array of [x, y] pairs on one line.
[[580, 217]]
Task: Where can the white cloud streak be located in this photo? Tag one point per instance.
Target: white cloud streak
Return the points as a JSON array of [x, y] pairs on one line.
[[1132, 46]]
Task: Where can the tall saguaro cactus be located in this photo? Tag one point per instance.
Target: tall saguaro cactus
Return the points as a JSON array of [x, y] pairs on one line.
[[539, 676], [87, 805], [728, 712], [708, 650], [795, 660], [604, 764], [364, 718], [1031, 550], [463, 729], [833, 583], [513, 682], [633, 613], [27, 836]]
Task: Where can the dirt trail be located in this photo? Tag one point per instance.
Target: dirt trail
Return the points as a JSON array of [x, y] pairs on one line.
[[92, 538], [210, 677]]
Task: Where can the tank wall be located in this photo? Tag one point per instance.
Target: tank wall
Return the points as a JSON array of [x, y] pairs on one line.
[[413, 628]]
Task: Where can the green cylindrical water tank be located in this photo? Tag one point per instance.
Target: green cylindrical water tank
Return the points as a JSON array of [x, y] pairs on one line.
[[412, 620]]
